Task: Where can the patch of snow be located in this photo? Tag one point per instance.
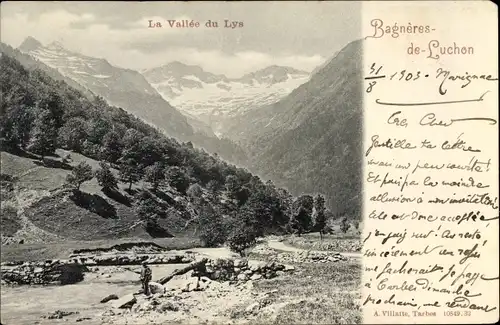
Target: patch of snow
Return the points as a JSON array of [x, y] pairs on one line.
[[191, 77]]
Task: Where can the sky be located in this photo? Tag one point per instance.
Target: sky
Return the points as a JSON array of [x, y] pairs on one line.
[[298, 34]]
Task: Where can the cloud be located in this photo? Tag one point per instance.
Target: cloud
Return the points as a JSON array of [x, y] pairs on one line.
[[300, 36]]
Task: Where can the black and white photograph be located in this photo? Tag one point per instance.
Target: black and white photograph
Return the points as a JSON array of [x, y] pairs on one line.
[[181, 162]]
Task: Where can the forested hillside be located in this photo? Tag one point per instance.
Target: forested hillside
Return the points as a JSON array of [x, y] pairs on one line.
[[311, 140], [146, 179], [148, 106]]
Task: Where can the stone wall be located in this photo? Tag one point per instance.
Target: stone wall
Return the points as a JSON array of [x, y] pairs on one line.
[[310, 257], [242, 270], [49, 272], [131, 259]]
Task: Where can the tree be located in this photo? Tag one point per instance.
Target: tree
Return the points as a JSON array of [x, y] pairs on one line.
[[211, 229], [344, 225], [43, 134], [319, 215], [300, 221], [232, 186], [129, 173], [80, 174], [53, 102], [150, 151], [214, 186], [97, 128], [111, 148], [90, 149], [15, 126], [131, 146], [244, 233], [105, 177], [72, 135], [148, 210], [178, 179], [155, 174], [195, 192], [146, 205]]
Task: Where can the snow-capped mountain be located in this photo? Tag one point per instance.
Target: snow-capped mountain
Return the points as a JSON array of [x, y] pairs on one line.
[[120, 87], [127, 89], [213, 98]]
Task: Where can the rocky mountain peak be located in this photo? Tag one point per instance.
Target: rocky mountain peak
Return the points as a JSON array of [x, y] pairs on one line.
[[29, 44]]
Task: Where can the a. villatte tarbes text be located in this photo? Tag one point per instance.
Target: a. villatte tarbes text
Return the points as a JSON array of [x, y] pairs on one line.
[[193, 24]]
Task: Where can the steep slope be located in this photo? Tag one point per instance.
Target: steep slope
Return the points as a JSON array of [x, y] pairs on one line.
[[213, 98], [129, 90], [32, 63], [120, 87], [41, 115], [311, 140]]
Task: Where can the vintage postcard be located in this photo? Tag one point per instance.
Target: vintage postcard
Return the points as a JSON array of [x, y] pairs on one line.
[[281, 162]]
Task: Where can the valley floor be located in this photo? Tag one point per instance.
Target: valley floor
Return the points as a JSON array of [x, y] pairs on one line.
[[320, 293]]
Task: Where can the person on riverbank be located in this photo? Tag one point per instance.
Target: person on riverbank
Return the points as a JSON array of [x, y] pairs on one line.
[[146, 276]]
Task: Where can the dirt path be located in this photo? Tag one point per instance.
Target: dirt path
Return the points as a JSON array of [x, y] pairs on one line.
[[275, 244], [219, 252], [224, 252]]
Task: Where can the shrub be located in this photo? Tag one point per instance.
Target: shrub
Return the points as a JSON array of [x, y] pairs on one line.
[[178, 179], [344, 225], [194, 191]]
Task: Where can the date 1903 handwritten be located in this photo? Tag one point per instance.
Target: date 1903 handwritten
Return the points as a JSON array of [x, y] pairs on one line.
[[376, 72]]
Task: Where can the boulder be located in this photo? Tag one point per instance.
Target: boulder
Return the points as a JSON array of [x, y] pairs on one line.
[[168, 306], [242, 277], [125, 302], [256, 277], [253, 308], [155, 287], [256, 265]]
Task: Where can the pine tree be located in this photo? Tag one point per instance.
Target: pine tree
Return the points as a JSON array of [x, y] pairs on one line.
[[319, 214]]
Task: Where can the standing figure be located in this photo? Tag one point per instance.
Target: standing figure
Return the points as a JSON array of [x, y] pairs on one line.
[[146, 275]]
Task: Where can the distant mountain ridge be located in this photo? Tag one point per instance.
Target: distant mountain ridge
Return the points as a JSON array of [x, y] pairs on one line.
[[311, 140], [212, 98], [127, 89]]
